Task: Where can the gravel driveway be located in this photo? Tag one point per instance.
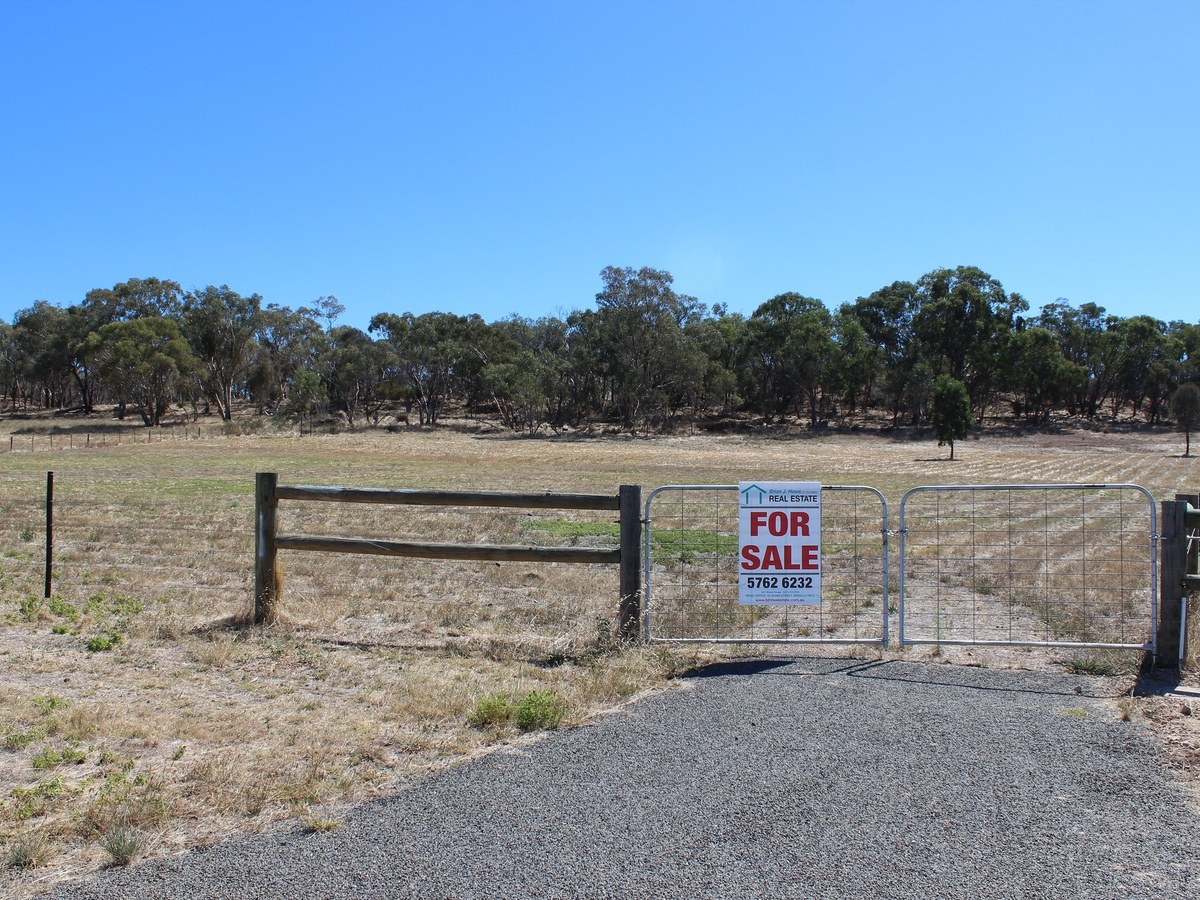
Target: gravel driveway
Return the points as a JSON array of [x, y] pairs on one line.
[[790, 778]]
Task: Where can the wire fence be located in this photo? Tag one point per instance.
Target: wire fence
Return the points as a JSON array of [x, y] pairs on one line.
[[189, 543], [1073, 565], [126, 436]]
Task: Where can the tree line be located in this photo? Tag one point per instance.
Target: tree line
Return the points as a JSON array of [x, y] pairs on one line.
[[644, 357]]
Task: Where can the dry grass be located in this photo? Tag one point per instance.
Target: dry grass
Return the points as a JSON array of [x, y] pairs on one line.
[[181, 725]]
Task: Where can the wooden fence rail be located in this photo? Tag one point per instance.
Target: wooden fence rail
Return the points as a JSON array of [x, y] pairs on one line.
[[267, 542]]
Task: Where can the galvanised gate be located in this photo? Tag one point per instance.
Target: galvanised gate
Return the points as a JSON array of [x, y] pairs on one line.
[[1026, 565], [1029, 565], [691, 582]]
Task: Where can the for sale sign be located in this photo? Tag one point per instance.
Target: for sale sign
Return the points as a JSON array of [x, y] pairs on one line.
[[779, 525]]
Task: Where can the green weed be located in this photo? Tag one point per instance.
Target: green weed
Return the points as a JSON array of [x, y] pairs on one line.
[[1089, 665], [49, 704], [539, 710], [101, 643], [51, 758], [494, 711], [29, 607], [63, 609]]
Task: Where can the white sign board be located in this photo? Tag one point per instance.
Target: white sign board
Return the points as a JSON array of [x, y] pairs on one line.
[[779, 525]]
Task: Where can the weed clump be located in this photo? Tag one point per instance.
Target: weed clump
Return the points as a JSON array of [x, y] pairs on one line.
[[27, 851], [123, 844], [494, 711], [539, 710]]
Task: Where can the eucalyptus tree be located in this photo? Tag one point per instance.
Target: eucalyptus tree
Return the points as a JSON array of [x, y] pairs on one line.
[[220, 325], [1185, 407], [792, 354], [354, 368], [9, 369], [1146, 361], [639, 325], [517, 388], [950, 410], [718, 342], [1084, 339], [1188, 336], [514, 379], [42, 348], [858, 359], [963, 320], [330, 309], [429, 351], [147, 359], [566, 378], [1040, 375], [290, 341], [886, 317], [589, 379], [133, 299]]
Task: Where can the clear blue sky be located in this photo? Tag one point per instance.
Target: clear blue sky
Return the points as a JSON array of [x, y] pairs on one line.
[[494, 157]]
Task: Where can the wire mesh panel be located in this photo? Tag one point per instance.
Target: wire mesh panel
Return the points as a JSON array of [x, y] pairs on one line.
[[160, 539], [22, 535], [1035, 565], [691, 584]]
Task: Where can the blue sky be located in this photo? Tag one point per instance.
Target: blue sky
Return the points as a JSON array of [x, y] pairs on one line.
[[492, 158]]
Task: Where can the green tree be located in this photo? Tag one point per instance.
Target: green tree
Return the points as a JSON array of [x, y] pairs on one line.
[[716, 342], [951, 411], [330, 309], [220, 325], [292, 341], [355, 367], [147, 359], [1185, 407], [792, 353], [133, 299], [9, 369], [429, 349], [887, 319], [858, 359], [964, 320], [42, 346], [1040, 375], [639, 327], [307, 396]]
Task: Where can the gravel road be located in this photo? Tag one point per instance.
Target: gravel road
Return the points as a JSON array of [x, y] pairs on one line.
[[796, 778]]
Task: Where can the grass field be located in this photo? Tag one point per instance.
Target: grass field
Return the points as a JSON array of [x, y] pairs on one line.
[[139, 715]]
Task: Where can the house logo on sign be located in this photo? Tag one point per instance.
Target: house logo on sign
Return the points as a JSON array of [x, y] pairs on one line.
[[753, 495]]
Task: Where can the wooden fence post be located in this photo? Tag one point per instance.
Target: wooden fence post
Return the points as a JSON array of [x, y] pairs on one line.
[[1173, 567], [631, 562], [266, 595], [1189, 626]]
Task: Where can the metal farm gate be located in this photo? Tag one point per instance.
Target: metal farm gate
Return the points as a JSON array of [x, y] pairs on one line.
[[1029, 565], [691, 580]]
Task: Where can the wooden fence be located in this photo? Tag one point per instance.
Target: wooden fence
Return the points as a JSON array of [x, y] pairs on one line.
[[267, 542]]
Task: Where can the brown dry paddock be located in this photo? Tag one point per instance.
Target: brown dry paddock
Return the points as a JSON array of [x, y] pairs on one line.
[[191, 726]]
